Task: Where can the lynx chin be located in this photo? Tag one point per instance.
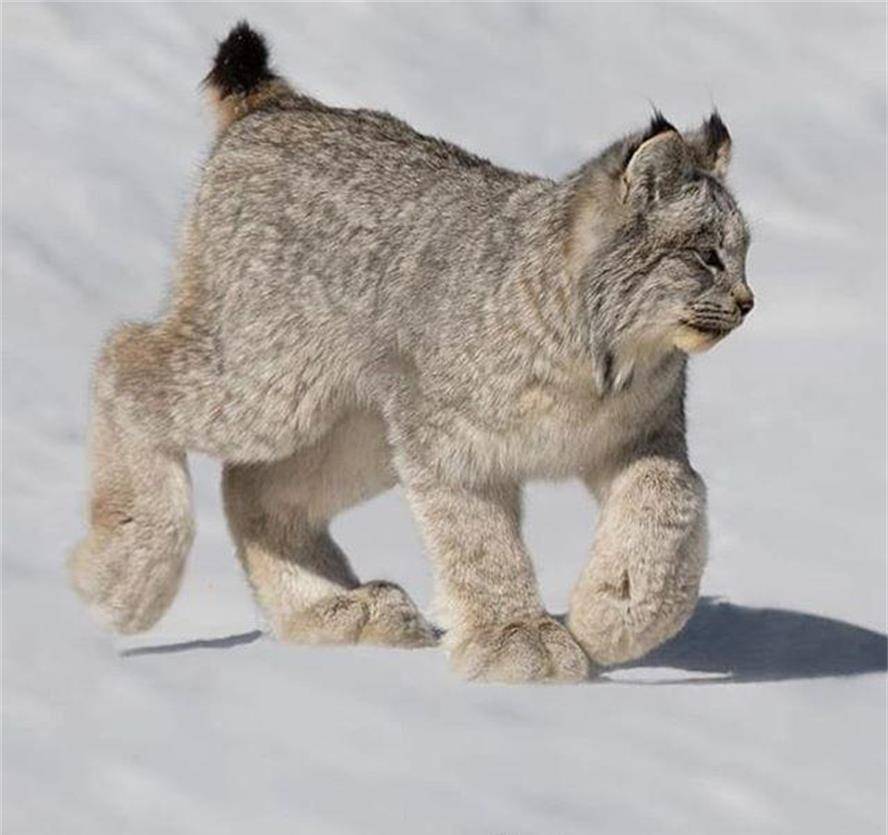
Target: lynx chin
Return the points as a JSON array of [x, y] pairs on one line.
[[357, 305]]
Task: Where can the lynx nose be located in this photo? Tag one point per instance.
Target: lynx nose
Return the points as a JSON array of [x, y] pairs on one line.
[[744, 298]]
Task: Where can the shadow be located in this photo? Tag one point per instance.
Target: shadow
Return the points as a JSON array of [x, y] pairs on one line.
[[200, 643], [723, 643], [741, 644]]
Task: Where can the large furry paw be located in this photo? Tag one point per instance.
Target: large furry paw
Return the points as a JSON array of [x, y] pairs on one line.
[[377, 613], [129, 577], [615, 629], [538, 649]]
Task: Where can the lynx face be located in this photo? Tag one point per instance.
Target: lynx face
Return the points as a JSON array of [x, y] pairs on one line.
[[702, 268], [682, 250]]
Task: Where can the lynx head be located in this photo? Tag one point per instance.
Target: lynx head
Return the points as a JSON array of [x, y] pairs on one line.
[[668, 266]]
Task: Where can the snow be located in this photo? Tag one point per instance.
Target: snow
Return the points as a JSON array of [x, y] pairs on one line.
[[766, 715]]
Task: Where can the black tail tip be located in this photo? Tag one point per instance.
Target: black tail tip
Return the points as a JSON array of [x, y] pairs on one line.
[[241, 62]]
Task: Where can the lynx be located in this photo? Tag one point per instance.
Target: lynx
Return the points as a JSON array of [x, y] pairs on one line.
[[357, 305]]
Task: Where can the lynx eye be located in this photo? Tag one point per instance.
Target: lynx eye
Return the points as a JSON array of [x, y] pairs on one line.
[[710, 258]]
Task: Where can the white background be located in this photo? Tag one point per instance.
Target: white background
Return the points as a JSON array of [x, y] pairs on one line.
[[766, 715]]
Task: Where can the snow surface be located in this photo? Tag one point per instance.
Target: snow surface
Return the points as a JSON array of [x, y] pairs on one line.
[[766, 715]]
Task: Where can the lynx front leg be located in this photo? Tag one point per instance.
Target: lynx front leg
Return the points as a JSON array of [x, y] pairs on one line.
[[641, 585], [486, 588]]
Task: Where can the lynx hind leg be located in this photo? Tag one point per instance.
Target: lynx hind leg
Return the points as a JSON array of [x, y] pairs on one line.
[[279, 514], [129, 566]]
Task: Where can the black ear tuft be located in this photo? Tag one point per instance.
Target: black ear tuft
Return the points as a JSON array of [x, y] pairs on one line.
[[659, 124], [716, 131], [711, 145], [241, 62]]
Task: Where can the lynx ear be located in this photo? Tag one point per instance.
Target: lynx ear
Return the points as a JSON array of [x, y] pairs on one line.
[[711, 144], [657, 164]]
